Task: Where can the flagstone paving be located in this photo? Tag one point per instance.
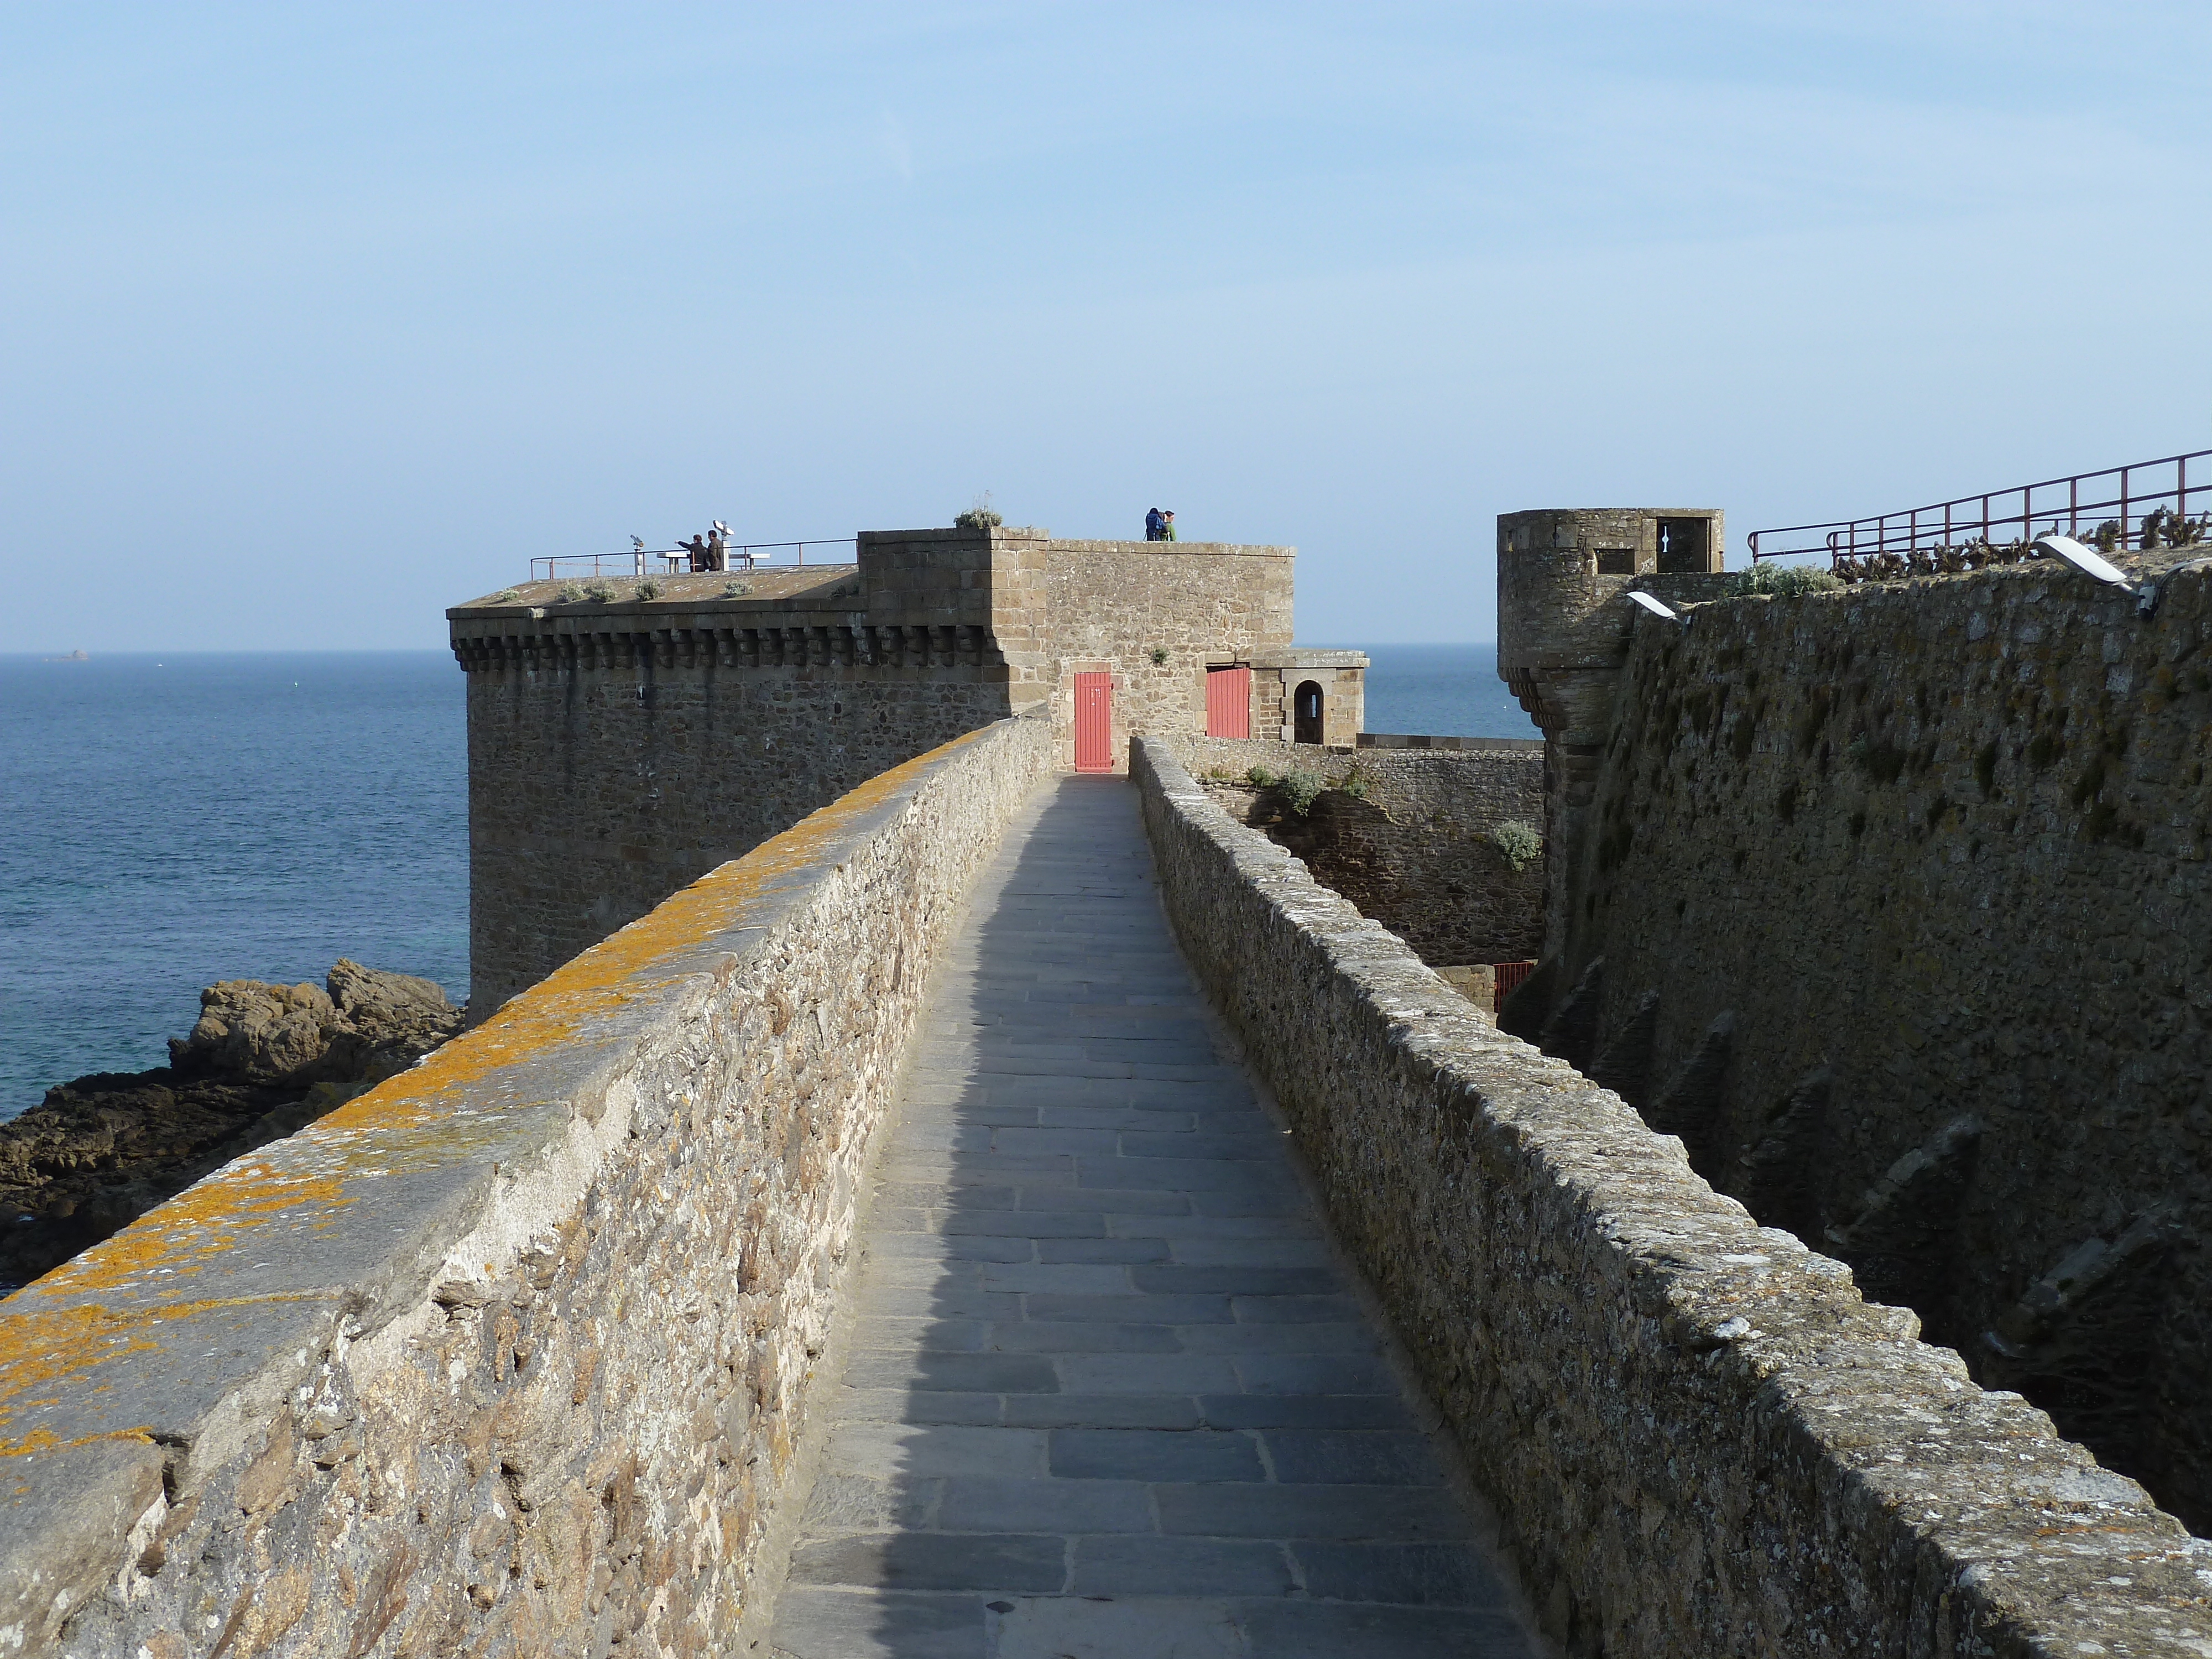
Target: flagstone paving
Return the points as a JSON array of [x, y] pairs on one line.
[[1109, 1395]]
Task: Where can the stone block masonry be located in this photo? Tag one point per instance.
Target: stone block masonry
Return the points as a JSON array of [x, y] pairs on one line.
[[1415, 852], [510, 1354], [1698, 1437], [1893, 903], [623, 740]]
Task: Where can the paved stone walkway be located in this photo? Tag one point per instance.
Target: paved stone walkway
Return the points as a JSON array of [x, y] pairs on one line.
[[1107, 1396]]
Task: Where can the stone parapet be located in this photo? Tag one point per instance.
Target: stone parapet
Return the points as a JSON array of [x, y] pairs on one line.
[[1698, 1437], [511, 1353], [1936, 852]]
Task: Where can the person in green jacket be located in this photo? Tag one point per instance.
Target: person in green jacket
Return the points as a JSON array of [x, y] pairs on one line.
[[1167, 525]]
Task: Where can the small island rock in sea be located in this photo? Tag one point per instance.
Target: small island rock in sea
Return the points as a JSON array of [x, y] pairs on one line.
[[263, 1061]]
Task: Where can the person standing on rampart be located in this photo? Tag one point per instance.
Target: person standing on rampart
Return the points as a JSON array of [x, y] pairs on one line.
[[1154, 524], [1167, 526]]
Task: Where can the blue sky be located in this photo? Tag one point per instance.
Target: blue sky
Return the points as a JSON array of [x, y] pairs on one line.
[[316, 319]]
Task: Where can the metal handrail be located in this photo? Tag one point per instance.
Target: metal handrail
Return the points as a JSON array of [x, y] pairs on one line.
[[744, 555], [1945, 525]]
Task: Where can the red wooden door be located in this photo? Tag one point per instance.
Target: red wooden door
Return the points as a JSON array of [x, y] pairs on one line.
[[1094, 722], [1228, 703]]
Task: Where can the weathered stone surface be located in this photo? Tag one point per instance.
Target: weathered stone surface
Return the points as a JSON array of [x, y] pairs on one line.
[[1699, 1437], [1196, 1441], [509, 1354], [1946, 840], [1414, 851]]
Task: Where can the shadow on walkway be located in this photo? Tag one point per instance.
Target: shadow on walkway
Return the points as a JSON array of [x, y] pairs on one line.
[[1108, 1394]]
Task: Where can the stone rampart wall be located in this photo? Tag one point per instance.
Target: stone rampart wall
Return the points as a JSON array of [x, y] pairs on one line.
[[598, 787], [1901, 900], [1416, 852], [1698, 1438], [511, 1354]]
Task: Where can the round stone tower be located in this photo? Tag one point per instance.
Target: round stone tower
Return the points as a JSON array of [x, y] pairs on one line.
[[1563, 632]]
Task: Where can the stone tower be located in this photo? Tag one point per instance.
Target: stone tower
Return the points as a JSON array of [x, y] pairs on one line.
[[1563, 629]]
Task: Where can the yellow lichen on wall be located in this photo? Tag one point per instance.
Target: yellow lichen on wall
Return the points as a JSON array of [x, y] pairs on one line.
[[448, 1108]]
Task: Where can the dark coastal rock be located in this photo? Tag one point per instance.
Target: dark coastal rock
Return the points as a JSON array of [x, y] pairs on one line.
[[263, 1061]]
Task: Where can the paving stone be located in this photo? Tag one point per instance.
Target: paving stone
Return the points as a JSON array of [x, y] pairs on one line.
[[1154, 1455], [964, 1373], [939, 1561], [1247, 1281], [1074, 1336], [914, 1406], [1332, 1630], [1059, 1278], [1150, 1373], [889, 1450], [1117, 1203], [1210, 1145], [1079, 1627], [943, 1247], [1274, 1509], [1305, 1411], [1314, 1373], [845, 1623], [944, 1335], [951, 1300], [1017, 1224], [1109, 1397], [1175, 1229], [858, 1503], [1305, 1337], [1118, 1411], [1102, 1250], [1286, 1309], [1285, 1253], [1426, 1575], [1351, 1457], [1055, 1140], [1133, 1309], [1115, 1117], [1195, 1176], [1178, 1566], [931, 1196], [974, 1504]]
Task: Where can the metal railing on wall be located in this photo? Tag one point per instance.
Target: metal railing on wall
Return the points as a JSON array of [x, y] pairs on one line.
[[2145, 504], [677, 561]]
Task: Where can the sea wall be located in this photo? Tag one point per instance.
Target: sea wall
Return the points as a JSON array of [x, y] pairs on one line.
[[509, 1355], [619, 753], [1901, 907], [1415, 852], [1698, 1438]]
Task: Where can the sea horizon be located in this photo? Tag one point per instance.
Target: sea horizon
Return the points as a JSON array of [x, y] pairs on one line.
[[181, 817]]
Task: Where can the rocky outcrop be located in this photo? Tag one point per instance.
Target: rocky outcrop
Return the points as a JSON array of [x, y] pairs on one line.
[[366, 1026], [262, 1062]]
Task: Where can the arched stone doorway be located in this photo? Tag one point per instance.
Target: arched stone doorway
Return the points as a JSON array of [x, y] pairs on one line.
[[1305, 712]]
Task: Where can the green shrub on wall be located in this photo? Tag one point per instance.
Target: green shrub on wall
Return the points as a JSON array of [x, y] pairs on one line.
[[1300, 788], [1521, 844]]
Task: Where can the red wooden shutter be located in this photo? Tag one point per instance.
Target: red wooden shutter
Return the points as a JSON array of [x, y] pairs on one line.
[[1228, 703], [1094, 722]]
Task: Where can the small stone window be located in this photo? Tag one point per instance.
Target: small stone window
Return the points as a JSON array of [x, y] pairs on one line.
[[1616, 562], [1683, 549]]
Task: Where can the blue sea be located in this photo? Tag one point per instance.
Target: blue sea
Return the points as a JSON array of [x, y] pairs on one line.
[[168, 821]]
